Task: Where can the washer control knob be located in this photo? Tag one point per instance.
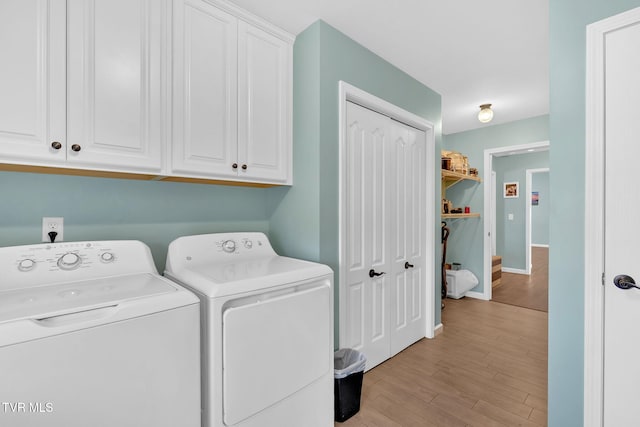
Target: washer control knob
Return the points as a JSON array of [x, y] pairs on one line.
[[248, 244], [229, 246], [107, 257], [26, 265], [69, 261]]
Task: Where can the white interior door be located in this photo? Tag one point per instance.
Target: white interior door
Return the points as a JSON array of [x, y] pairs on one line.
[[367, 297], [385, 232], [622, 228], [406, 200]]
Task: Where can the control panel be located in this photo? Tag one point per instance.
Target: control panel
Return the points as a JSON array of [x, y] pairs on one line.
[[216, 248], [33, 265], [239, 244]]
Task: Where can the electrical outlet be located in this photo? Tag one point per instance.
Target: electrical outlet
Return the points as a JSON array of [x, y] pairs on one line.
[[50, 224]]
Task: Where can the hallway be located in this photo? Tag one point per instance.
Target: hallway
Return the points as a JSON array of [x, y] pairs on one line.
[[488, 368], [527, 291]]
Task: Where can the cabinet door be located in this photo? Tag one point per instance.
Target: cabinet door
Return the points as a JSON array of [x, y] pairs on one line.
[[205, 90], [115, 92], [264, 93], [32, 80]]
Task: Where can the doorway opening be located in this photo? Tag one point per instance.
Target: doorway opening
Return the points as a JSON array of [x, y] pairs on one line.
[[491, 197]]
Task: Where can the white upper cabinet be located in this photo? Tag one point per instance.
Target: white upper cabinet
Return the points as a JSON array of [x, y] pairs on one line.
[[264, 86], [32, 81], [115, 88], [232, 95], [169, 88], [205, 86], [81, 83]]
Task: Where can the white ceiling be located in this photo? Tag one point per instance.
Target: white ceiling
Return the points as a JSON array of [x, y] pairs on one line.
[[471, 52]]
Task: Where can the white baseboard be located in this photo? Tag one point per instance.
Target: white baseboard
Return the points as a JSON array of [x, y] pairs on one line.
[[438, 330], [535, 245], [476, 295], [514, 271]]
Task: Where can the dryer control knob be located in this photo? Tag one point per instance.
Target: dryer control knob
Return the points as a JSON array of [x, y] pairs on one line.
[[26, 265], [107, 257], [229, 246], [69, 261], [248, 244]]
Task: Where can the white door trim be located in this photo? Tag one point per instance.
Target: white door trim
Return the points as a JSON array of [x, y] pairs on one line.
[[351, 93], [529, 185], [488, 168], [594, 214]]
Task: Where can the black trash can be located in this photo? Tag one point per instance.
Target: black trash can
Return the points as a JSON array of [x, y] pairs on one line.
[[348, 370]]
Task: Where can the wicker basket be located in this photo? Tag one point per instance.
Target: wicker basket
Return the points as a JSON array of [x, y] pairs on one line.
[[459, 163]]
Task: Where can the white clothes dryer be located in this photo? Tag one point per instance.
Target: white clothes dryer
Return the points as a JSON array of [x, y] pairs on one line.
[[91, 335], [267, 325]]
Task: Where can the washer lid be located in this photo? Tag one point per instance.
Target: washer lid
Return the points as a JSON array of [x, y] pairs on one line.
[[56, 300], [232, 278]]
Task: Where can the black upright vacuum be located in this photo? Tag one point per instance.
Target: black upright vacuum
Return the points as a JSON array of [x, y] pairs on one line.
[[444, 237]]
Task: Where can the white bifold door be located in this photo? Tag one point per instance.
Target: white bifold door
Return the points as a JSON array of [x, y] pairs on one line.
[[385, 234]]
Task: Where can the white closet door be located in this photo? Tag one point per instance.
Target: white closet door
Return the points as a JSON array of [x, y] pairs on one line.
[[367, 230], [386, 233], [32, 80], [406, 198], [115, 95]]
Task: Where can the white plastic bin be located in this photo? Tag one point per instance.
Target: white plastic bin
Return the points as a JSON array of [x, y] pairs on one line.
[[459, 282]]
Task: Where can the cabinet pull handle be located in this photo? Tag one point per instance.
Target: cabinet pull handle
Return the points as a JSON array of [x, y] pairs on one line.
[[56, 145], [407, 265], [235, 166], [244, 167], [76, 147]]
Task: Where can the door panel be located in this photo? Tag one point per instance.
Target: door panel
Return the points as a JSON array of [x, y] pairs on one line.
[[366, 159], [205, 90], [115, 94], [408, 199], [263, 104], [386, 206], [622, 230], [32, 80]]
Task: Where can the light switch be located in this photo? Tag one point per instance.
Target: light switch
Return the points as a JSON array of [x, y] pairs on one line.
[[510, 217]]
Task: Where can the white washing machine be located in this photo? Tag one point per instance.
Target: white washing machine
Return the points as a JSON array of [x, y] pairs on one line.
[[267, 325], [91, 335]]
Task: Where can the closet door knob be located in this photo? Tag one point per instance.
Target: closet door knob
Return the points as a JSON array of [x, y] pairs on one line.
[[373, 273], [56, 145], [407, 265], [76, 148], [235, 166], [244, 167]]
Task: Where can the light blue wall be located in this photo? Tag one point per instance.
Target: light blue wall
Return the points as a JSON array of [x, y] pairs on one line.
[[540, 213], [110, 209], [568, 19], [466, 241], [511, 237], [306, 217]]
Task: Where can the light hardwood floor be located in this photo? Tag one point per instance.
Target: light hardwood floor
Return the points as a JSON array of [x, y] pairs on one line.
[[488, 368], [527, 291]]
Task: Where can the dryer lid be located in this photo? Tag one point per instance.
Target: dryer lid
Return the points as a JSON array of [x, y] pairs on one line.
[[233, 278]]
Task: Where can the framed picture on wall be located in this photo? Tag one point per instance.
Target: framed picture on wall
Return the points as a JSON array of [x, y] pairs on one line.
[[535, 198], [511, 190]]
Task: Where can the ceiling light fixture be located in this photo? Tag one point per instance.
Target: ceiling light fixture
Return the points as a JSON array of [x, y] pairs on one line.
[[485, 114]]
